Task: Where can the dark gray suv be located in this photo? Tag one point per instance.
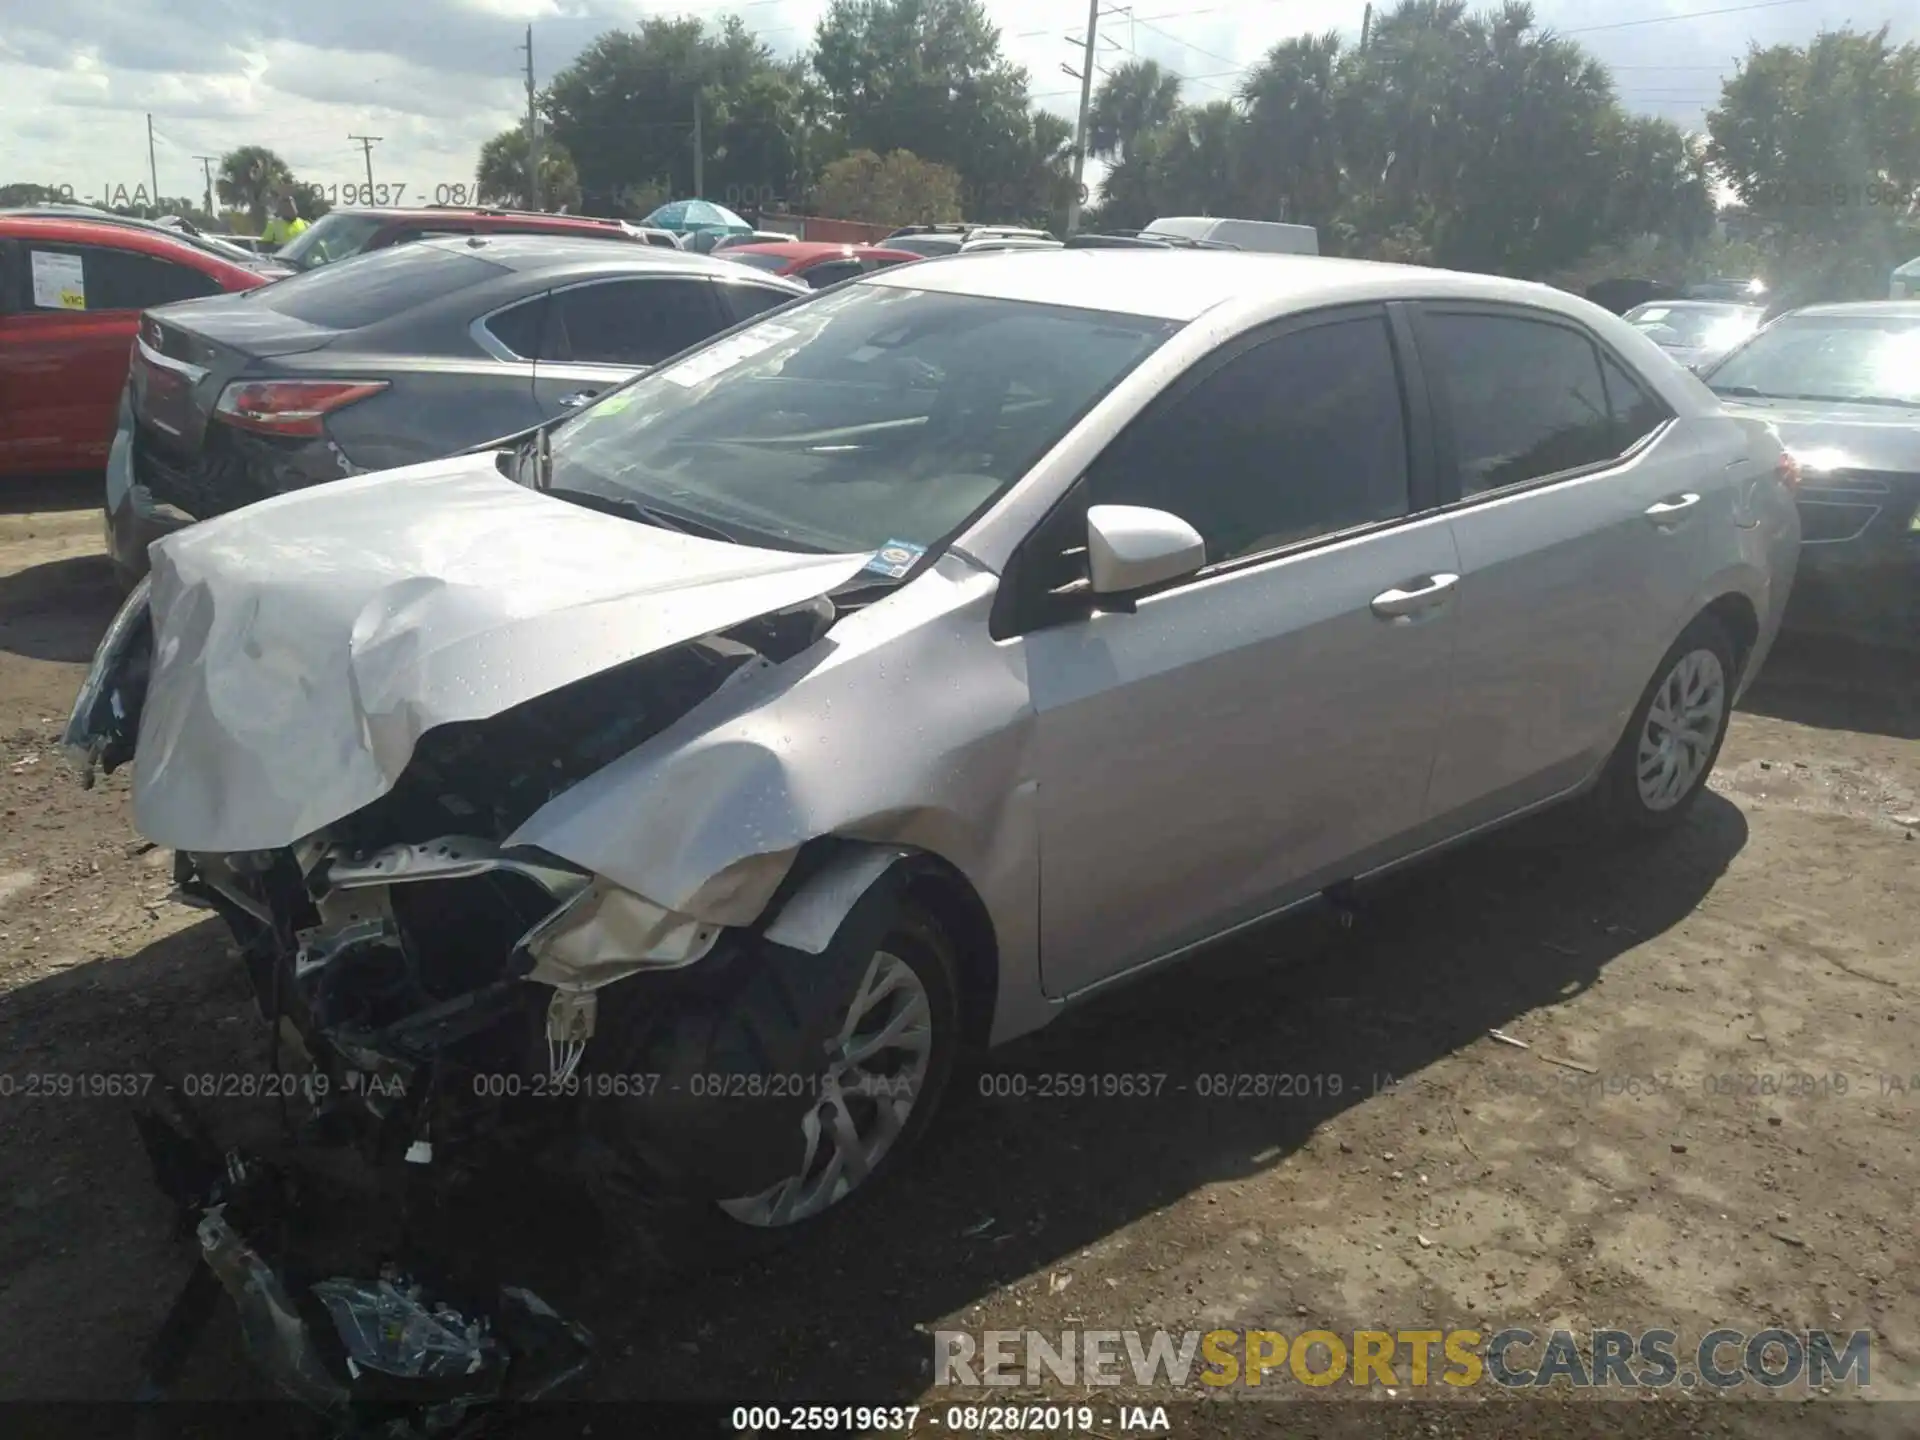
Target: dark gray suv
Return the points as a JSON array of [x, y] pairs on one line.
[[392, 358]]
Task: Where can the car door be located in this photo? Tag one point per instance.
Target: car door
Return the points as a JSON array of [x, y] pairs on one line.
[[600, 332], [78, 306], [1242, 738], [1579, 511]]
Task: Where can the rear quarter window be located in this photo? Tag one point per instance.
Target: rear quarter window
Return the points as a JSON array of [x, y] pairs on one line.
[[375, 286]]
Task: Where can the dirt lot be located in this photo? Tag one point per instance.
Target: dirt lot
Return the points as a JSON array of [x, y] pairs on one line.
[[1604, 1176]]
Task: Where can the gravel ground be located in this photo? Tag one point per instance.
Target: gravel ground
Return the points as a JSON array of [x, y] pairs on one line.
[[1712, 1122]]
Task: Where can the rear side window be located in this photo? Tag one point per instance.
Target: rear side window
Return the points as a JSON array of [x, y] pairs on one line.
[[831, 272], [632, 322], [1636, 414], [1300, 436], [97, 277], [518, 328], [1525, 396], [374, 286]]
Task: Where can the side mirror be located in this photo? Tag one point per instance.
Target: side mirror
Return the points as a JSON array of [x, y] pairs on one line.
[[1130, 547]]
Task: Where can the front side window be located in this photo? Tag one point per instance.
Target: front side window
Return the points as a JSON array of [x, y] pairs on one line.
[[873, 414], [631, 322], [1300, 436], [1868, 360], [1526, 398]]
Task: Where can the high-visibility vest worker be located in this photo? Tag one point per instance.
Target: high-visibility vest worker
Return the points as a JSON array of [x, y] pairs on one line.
[[282, 228]]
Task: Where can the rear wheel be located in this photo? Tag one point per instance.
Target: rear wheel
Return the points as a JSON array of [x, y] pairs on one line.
[[1661, 764]]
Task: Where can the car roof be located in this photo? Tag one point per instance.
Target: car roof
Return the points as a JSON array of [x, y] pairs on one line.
[[1697, 305], [1863, 309], [816, 250], [1184, 284], [426, 213], [522, 253]]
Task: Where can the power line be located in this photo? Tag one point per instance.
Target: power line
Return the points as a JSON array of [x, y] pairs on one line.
[[1684, 15]]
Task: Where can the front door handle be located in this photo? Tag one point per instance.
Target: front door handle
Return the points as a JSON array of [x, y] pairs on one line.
[[1415, 596], [577, 399], [1672, 510]]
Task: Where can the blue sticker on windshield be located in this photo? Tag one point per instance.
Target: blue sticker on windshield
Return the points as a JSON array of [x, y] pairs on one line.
[[895, 558]]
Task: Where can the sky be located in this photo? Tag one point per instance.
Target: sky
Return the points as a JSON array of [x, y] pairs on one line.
[[433, 79]]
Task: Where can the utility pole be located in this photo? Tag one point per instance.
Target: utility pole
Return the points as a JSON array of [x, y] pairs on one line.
[[533, 130], [153, 169], [1366, 26], [366, 144], [699, 149], [206, 164], [1080, 129]]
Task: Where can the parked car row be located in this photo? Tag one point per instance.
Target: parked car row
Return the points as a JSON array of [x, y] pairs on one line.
[[891, 675]]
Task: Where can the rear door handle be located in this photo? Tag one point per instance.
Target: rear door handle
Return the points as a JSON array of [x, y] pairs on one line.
[[1670, 511], [1414, 597]]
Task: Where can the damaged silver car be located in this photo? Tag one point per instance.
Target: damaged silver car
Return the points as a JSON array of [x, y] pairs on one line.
[[709, 770]]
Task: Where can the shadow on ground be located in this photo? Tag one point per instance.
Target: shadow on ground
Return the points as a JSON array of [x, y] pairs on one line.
[[1838, 684], [1431, 962], [57, 610]]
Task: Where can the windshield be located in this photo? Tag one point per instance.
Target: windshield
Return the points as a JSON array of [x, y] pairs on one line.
[[1869, 358], [1702, 327], [871, 415], [331, 237]]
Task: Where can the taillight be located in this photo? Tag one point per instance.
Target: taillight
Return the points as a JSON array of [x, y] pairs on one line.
[[290, 407], [1788, 471]]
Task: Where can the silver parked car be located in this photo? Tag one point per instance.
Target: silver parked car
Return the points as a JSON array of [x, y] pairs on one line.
[[904, 667]]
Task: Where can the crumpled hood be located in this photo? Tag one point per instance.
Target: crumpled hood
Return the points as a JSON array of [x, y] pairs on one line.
[[304, 644]]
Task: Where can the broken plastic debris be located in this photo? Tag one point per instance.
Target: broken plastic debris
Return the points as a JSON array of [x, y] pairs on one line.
[[390, 1328], [1506, 1039], [420, 1152]]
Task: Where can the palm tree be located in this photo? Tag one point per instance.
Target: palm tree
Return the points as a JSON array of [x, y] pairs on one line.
[[1292, 154], [251, 179], [1137, 99]]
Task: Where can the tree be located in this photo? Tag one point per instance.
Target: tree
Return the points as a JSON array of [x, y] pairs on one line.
[[1822, 145], [624, 109], [895, 189], [1138, 99], [927, 76], [26, 193], [251, 179], [502, 173], [1292, 145]]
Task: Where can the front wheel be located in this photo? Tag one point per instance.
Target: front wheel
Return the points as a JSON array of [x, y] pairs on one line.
[[1661, 764], [886, 1066]]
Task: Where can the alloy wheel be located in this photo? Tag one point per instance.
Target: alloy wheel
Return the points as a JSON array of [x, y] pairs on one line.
[[876, 1071], [1682, 725]]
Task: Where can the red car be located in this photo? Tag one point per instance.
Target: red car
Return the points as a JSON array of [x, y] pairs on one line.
[[816, 262], [71, 293]]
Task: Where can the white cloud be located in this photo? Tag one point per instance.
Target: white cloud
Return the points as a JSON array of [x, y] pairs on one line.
[[435, 78]]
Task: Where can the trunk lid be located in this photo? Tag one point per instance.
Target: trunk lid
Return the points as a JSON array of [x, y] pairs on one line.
[[187, 353], [301, 646]]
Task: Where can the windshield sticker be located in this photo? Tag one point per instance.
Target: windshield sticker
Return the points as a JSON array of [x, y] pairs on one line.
[[698, 369], [612, 405], [58, 282], [894, 559]]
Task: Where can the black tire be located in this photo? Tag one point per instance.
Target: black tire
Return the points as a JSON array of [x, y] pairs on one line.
[[757, 1024], [1618, 799]]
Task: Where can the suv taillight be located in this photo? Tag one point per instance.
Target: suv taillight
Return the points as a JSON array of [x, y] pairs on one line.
[[1788, 471], [294, 408]]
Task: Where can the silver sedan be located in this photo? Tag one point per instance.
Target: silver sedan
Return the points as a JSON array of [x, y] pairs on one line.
[[901, 669]]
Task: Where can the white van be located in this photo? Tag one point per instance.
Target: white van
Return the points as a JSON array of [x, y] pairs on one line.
[[1268, 235]]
